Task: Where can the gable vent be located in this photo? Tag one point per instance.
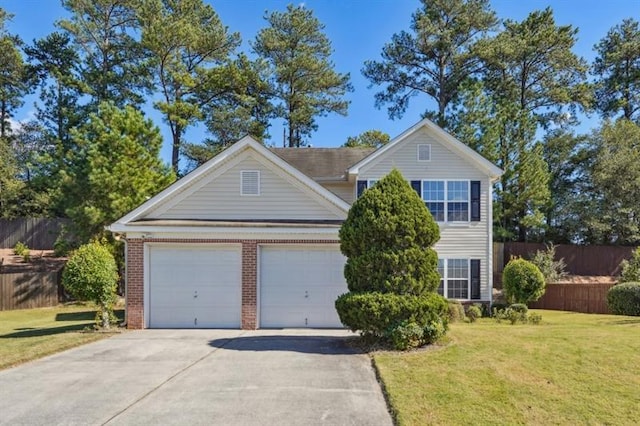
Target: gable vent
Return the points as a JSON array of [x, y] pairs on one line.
[[250, 182], [424, 152]]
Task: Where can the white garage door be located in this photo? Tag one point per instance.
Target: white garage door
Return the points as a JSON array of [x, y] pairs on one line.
[[194, 287], [299, 286]]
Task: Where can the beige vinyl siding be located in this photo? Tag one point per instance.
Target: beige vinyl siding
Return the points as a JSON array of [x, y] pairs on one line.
[[344, 190], [219, 198], [469, 240]]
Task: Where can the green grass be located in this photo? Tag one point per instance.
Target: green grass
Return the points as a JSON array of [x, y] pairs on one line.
[[571, 369], [29, 334]]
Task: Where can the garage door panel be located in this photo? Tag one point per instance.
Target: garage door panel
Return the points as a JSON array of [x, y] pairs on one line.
[[194, 287], [299, 286]]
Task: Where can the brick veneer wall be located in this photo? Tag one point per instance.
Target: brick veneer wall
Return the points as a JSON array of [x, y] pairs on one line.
[[135, 275]]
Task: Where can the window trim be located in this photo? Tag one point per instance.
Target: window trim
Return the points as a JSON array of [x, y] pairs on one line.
[[418, 152], [258, 184], [446, 198], [444, 279]]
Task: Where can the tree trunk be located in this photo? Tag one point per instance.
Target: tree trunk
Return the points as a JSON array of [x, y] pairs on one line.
[[175, 150]]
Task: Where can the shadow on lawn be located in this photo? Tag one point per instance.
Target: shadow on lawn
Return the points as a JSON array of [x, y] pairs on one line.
[[624, 322], [88, 316]]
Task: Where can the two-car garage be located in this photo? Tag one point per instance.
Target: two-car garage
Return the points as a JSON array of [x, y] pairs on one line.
[[201, 286]]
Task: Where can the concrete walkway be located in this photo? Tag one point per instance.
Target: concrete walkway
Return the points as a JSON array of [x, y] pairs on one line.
[[198, 377]]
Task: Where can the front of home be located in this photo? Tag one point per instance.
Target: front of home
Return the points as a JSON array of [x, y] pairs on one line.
[[250, 239]]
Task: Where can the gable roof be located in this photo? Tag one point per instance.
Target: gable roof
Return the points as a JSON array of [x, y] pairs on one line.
[[196, 176], [448, 140], [323, 164]]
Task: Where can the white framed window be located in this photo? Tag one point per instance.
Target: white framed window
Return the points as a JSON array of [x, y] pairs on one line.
[[448, 201], [424, 152], [250, 182], [371, 182], [455, 278]]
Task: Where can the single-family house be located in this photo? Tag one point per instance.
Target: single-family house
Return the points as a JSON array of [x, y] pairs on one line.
[[250, 239]]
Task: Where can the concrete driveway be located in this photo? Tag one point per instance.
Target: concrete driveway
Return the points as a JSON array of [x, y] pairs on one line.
[[190, 377]]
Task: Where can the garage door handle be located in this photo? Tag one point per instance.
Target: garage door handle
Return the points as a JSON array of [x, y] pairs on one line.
[[195, 295], [306, 294]]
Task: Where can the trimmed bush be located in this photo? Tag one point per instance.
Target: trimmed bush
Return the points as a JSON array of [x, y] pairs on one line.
[[387, 239], [406, 335], [456, 311], [473, 313], [374, 314], [630, 269], [624, 299], [91, 274], [522, 281]]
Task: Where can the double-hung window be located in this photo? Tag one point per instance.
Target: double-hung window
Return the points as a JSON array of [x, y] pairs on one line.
[[450, 200], [459, 278]]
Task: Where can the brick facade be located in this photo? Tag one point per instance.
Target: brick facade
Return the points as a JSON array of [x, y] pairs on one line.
[[135, 275]]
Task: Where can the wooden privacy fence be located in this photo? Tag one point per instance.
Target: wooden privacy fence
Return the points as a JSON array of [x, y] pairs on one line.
[[580, 260], [586, 298], [26, 290], [36, 233]]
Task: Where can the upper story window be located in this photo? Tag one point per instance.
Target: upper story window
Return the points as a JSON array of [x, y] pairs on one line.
[[424, 152], [250, 182], [448, 201]]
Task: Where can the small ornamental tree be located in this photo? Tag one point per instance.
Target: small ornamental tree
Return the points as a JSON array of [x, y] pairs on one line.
[[391, 269], [91, 274], [630, 269], [522, 281]]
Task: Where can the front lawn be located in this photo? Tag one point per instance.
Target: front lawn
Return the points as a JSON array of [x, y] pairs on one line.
[[571, 369], [28, 334]]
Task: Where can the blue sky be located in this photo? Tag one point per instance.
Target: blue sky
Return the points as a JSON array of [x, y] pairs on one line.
[[357, 29]]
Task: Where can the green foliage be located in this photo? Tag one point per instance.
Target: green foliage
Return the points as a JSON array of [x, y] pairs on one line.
[[552, 270], [374, 314], [116, 169], [103, 33], [624, 299], [473, 313], [456, 311], [391, 269], [405, 335], [434, 330], [630, 269], [435, 58], [511, 315], [189, 51], [530, 79], [519, 307], [368, 139], [387, 238], [618, 86], [615, 218], [522, 281], [303, 78], [91, 274], [20, 248], [516, 313], [534, 319]]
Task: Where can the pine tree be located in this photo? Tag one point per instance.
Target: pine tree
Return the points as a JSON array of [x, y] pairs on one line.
[[304, 80], [434, 58]]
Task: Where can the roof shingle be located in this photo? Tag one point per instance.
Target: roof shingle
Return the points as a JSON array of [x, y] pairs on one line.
[[323, 164]]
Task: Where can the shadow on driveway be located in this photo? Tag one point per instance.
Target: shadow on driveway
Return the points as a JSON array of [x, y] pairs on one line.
[[323, 345]]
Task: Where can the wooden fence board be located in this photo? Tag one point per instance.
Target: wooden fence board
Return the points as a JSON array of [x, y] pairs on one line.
[[37, 233], [26, 290], [586, 298]]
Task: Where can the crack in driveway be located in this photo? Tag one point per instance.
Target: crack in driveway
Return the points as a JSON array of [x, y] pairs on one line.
[[178, 373]]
